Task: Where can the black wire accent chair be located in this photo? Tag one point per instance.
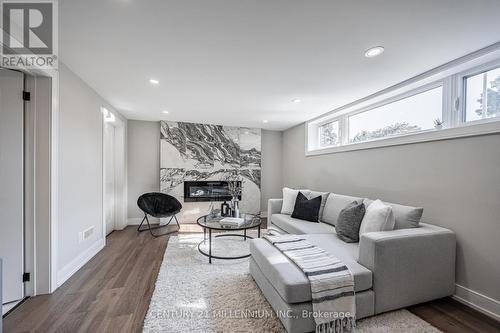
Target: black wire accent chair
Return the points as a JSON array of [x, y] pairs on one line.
[[158, 205]]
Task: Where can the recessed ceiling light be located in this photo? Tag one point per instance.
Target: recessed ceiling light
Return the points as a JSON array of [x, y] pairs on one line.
[[154, 81], [374, 51], [165, 112], [296, 100], [265, 121]]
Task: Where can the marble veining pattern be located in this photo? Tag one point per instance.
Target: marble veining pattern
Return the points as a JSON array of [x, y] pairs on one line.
[[210, 152]]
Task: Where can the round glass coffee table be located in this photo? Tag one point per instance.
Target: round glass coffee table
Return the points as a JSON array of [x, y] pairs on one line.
[[210, 223]]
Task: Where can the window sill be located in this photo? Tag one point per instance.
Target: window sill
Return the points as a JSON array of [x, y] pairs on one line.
[[467, 130]]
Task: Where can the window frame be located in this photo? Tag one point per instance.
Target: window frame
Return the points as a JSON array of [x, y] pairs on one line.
[[451, 77], [462, 91]]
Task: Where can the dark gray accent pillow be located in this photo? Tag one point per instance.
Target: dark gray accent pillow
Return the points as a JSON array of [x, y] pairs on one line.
[[306, 209], [349, 221]]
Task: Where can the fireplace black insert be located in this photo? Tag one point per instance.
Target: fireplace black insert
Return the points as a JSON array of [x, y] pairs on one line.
[[207, 191]]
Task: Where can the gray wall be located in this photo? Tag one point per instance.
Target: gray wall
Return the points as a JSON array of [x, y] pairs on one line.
[[272, 168], [80, 168], [144, 164], [456, 181]]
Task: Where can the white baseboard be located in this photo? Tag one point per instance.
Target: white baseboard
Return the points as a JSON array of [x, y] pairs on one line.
[[67, 271], [475, 300], [138, 220], [9, 306]]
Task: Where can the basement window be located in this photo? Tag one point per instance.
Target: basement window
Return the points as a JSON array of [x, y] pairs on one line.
[[456, 100], [414, 113]]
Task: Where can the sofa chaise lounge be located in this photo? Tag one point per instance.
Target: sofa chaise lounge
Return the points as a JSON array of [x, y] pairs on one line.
[[411, 264]]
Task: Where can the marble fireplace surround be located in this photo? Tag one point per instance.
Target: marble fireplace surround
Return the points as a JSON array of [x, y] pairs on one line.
[[192, 152]]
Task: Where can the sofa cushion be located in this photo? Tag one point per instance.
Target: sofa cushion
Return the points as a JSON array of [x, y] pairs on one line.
[[334, 204], [349, 221], [296, 226], [378, 217], [289, 198], [406, 216], [307, 209], [289, 280], [324, 197]]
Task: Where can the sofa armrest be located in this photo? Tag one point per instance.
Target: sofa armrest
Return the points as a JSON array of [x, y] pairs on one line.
[[409, 266], [274, 207]]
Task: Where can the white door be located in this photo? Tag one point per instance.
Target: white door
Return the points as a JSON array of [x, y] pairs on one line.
[[11, 184], [109, 177]]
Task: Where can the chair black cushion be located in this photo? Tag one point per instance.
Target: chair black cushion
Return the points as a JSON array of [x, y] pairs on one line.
[[159, 204], [306, 209]]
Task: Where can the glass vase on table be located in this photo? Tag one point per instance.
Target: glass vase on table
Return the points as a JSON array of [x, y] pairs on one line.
[[235, 207], [213, 211]]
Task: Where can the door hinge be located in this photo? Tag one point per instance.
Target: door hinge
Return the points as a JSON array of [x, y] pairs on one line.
[[26, 96], [26, 277]]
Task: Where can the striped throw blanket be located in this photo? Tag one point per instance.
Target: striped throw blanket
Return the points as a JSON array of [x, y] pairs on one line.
[[332, 284]]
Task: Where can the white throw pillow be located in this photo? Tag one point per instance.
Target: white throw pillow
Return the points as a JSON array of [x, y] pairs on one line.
[[378, 217], [289, 197], [324, 197]]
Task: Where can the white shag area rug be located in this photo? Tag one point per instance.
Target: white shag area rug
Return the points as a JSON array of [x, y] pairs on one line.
[[192, 295]]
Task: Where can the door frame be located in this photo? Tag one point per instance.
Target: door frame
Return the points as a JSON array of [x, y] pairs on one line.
[[38, 148], [18, 80], [44, 249], [43, 85], [108, 130], [120, 188]]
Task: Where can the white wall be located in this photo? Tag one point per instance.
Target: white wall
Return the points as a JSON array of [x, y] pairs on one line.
[[456, 181], [80, 181], [272, 168], [143, 163], [121, 181]]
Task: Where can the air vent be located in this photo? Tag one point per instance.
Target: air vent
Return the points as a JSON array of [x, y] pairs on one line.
[[87, 233]]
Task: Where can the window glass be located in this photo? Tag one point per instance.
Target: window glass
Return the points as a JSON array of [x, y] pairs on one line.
[[329, 134], [482, 97], [411, 114]]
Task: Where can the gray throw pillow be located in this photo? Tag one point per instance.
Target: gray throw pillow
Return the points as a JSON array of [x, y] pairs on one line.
[[349, 221]]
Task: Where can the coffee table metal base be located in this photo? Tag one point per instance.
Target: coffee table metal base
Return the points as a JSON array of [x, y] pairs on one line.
[[210, 255]]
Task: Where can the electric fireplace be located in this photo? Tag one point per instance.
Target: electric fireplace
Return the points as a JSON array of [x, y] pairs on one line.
[[207, 191]]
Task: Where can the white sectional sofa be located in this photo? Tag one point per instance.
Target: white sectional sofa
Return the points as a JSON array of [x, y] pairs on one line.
[[392, 269]]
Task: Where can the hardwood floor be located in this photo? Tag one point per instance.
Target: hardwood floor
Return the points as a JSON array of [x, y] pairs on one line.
[[449, 315], [111, 293]]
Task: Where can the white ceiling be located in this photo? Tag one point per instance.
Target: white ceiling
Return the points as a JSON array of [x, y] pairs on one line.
[[240, 62]]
